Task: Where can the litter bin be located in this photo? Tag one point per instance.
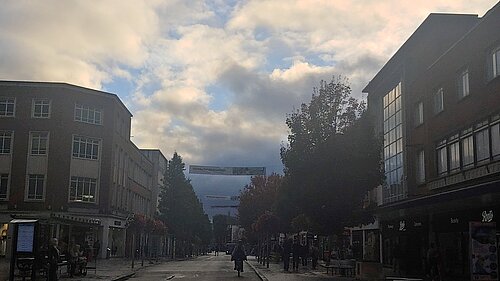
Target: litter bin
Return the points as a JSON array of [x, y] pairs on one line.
[[108, 253]]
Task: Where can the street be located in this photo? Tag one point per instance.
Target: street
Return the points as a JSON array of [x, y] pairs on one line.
[[202, 268]]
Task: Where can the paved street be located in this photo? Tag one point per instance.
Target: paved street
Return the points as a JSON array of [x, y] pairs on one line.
[[202, 268]]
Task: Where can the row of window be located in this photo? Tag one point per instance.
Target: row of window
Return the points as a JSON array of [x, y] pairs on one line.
[[469, 148], [81, 189], [83, 147], [41, 109], [462, 88]]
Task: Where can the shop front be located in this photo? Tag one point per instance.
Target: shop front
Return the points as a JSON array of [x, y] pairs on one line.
[[404, 245]]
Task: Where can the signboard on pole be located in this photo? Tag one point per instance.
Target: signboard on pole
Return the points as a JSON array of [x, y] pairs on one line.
[[483, 254], [25, 237], [227, 171]]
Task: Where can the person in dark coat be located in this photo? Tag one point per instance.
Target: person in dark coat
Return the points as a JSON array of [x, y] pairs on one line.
[[295, 255], [287, 249], [304, 251], [314, 255], [97, 248], [239, 255], [54, 257]]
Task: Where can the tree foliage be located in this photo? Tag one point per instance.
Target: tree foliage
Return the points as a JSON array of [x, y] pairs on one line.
[[258, 197], [332, 158], [180, 208]]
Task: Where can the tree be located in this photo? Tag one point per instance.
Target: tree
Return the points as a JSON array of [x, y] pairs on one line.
[[258, 197], [180, 209], [332, 158]]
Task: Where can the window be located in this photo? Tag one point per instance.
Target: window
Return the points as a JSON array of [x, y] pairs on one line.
[[419, 114], [39, 143], [442, 158], [41, 108], [463, 84], [495, 140], [420, 167], [87, 148], [467, 151], [438, 101], [5, 142], [482, 145], [4, 186], [82, 189], [495, 62], [454, 154], [35, 187], [7, 107], [87, 114]]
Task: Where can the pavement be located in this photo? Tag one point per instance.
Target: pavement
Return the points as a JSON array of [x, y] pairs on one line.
[[114, 269], [275, 272]]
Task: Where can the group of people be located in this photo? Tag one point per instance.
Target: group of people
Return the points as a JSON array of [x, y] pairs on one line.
[[299, 253]]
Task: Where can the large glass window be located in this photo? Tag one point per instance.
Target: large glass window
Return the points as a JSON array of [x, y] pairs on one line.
[[420, 167], [442, 158], [482, 145], [496, 62], [5, 142], [454, 152], [438, 101], [84, 147], [82, 189], [39, 143], [467, 151], [88, 114], [393, 146], [4, 186], [495, 140], [41, 108], [463, 84], [419, 114], [7, 107], [35, 187]]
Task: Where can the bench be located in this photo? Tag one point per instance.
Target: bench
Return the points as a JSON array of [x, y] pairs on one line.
[[328, 267], [342, 267]]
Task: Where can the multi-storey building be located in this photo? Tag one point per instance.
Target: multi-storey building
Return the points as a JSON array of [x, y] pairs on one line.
[[437, 105], [66, 159]]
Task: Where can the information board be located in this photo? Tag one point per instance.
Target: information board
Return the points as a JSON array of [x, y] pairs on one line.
[[483, 254], [25, 237]]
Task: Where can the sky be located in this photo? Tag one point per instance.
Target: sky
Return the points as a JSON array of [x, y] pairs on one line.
[[212, 80]]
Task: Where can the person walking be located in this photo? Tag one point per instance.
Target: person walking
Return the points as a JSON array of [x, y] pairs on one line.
[[238, 256], [314, 255], [295, 255], [304, 252], [287, 249], [54, 257]]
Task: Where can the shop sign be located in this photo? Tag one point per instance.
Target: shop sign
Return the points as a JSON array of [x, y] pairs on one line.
[[417, 224], [454, 220], [402, 225], [483, 252], [487, 216]]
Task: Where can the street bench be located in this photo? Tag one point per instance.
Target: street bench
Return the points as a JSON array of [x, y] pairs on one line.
[[342, 267]]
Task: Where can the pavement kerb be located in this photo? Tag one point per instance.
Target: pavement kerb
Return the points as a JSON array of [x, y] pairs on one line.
[[261, 276], [123, 277]]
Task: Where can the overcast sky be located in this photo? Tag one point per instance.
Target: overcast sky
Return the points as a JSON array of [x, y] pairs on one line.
[[212, 80]]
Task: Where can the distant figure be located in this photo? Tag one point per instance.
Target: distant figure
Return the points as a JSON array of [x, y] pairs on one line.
[[295, 255], [97, 248], [433, 262], [54, 257], [314, 255], [287, 249], [238, 256], [304, 251]]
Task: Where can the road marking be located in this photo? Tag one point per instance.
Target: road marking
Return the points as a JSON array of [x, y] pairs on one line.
[[170, 277]]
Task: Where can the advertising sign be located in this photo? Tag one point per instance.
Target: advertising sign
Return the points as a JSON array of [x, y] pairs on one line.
[[227, 171], [25, 237], [483, 254]]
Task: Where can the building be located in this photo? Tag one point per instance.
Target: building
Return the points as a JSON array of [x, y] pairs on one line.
[[66, 159], [437, 104]]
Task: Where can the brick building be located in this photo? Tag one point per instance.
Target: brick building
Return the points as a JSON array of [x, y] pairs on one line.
[[436, 103], [66, 159]]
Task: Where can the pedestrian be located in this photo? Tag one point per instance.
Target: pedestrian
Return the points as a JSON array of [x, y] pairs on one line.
[[433, 262], [97, 248], [238, 256], [314, 255], [304, 251], [295, 254], [287, 249], [54, 257]]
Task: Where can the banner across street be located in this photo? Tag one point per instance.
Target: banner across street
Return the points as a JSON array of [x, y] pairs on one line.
[[227, 171]]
